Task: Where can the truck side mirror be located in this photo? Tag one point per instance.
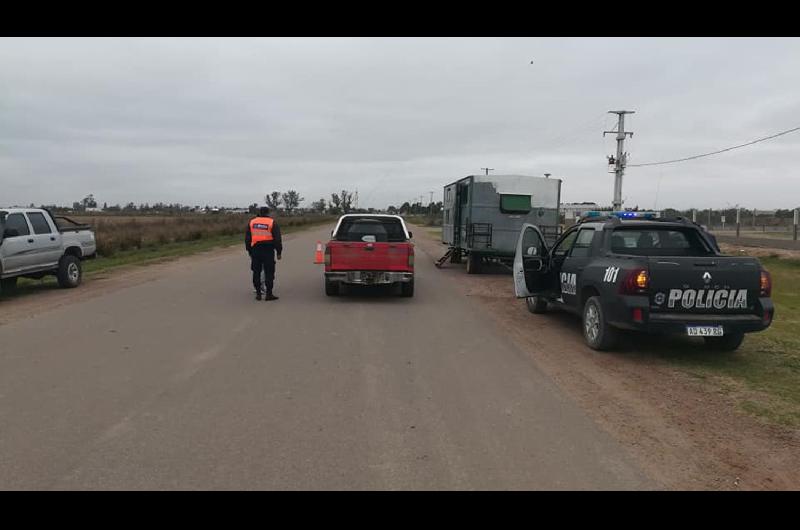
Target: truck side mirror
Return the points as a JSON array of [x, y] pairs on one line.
[[532, 251], [410, 235]]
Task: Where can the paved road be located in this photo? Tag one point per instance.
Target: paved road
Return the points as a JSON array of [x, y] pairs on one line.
[[187, 382]]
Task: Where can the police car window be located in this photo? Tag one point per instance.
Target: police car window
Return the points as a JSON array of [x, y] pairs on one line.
[[16, 221], [39, 223], [583, 243], [658, 241], [563, 247], [530, 238]]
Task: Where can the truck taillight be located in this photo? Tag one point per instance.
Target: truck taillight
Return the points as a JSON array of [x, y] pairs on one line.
[[766, 283], [636, 282], [327, 255], [411, 257]]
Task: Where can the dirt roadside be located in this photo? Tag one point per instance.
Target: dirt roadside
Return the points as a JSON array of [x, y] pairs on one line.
[[50, 296], [687, 433]]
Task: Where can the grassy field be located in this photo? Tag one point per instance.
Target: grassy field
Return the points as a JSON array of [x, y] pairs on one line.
[[757, 234], [121, 233], [764, 374]]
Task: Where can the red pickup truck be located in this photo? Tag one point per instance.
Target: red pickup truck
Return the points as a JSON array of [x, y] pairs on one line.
[[369, 250]]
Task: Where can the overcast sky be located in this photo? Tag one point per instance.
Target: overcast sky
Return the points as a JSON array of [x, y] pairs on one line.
[[224, 121]]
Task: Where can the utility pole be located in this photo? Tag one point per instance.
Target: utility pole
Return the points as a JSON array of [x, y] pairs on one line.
[[430, 205], [621, 159], [488, 169]]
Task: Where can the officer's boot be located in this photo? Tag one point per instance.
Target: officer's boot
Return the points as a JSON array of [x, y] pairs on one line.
[[258, 295], [269, 296]]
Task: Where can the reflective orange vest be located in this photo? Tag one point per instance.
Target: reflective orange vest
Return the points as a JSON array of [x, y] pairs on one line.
[[261, 230]]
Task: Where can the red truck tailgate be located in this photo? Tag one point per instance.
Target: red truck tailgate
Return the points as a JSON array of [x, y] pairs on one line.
[[358, 256]]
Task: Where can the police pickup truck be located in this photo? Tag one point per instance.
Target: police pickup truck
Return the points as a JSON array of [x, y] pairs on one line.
[[625, 272], [34, 244]]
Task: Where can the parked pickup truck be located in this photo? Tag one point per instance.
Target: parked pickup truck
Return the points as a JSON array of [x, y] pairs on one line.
[[646, 274], [369, 250], [34, 244]]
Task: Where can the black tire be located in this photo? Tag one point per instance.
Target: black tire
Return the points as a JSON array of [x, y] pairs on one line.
[[407, 289], [331, 288], [8, 285], [730, 342], [70, 272], [599, 335], [536, 304], [473, 264]]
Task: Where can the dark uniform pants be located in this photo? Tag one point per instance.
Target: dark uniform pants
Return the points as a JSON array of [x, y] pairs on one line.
[[263, 261]]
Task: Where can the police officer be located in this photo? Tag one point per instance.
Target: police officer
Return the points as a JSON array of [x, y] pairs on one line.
[[262, 241]]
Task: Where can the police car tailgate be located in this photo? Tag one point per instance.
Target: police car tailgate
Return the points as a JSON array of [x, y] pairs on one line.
[[359, 256], [715, 285]]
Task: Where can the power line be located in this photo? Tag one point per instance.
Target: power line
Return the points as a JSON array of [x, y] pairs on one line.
[[715, 152]]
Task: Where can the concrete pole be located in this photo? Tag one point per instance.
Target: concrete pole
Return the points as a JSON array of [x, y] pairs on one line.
[[619, 168], [796, 219], [738, 220], [694, 215], [709, 218]]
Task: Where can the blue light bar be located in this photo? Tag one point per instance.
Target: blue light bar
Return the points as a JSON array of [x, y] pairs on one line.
[[621, 215]]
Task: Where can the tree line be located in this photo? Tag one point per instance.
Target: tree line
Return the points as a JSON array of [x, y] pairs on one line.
[[339, 203], [417, 208]]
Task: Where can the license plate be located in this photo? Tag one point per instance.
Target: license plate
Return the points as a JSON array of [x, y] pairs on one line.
[[704, 331]]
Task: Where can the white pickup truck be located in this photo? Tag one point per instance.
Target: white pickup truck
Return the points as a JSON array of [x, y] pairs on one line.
[[34, 244]]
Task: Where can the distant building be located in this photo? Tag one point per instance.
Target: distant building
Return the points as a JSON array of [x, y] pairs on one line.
[[574, 210]]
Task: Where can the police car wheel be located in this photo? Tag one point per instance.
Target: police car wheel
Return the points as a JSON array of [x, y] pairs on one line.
[[598, 334], [729, 342], [536, 304]]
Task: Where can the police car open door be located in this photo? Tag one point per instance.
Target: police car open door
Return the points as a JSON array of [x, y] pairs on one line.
[[531, 263]]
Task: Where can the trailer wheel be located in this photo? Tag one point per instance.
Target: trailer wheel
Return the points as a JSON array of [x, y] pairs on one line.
[[726, 343], [473, 264], [69, 272]]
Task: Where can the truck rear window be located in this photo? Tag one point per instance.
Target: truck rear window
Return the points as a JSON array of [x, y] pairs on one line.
[[659, 241], [382, 230]]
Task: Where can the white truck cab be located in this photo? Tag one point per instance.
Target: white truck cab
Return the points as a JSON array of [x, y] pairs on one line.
[[34, 245]]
